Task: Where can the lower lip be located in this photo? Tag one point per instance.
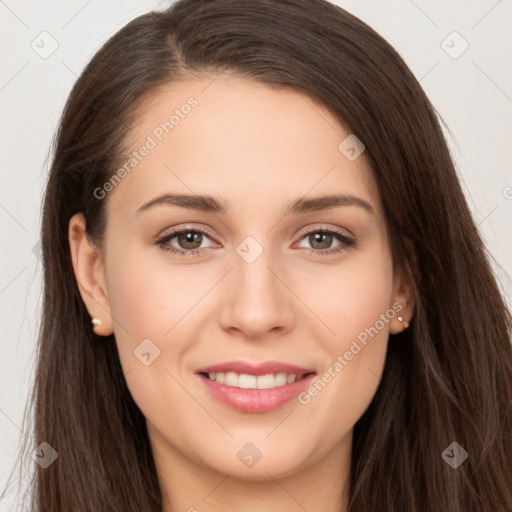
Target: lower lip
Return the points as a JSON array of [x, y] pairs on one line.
[[256, 400]]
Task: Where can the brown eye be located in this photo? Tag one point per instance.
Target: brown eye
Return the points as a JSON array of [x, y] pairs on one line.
[[189, 239], [321, 241]]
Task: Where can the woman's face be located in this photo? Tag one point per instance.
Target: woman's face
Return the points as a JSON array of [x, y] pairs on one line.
[[250, 279]]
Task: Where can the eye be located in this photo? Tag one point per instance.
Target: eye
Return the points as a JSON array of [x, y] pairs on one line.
[[188, 240], [321, 241]]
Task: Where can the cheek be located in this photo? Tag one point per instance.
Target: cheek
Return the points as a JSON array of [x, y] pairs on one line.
[[357, 310], [136, 303], [154, 299], [146, 303], [141, 303], [147, 298], [351, 295]]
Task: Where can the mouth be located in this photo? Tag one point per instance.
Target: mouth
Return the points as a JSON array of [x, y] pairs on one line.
[[255, 388]]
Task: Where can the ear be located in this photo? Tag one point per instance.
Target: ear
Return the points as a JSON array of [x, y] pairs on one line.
[[89, 274], [403, 294]]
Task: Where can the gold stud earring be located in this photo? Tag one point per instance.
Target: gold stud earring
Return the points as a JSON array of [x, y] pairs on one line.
[[401, 319], [96, 322]]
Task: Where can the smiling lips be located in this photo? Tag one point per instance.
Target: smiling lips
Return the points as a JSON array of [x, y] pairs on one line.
[[255, 388]]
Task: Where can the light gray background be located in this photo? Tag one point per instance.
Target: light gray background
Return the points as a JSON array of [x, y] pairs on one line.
[[473, 94]]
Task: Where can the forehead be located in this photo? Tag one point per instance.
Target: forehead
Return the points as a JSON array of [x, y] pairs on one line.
[[238, 140]]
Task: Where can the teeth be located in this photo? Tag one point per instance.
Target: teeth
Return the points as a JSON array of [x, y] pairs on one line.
[[280, 379], [265, 381], [245, 381], [231, 379]]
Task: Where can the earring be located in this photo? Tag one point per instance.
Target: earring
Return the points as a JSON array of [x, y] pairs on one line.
[[96, 322], [401, 319]]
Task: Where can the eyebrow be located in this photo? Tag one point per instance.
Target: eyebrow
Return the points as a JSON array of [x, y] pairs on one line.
[[209, 204]]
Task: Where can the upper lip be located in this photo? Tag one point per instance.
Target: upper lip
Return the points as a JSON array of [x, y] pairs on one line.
[[255, 369]]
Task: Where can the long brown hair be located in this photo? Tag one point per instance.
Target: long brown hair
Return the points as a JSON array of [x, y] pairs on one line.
[[448, 378]]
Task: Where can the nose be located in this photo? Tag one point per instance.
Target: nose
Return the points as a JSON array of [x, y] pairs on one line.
[[259, 302]]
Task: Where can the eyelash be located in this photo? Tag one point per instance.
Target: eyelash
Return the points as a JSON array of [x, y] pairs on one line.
[[346, 242]]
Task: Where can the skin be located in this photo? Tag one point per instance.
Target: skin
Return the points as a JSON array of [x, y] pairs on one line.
[[257, 148]]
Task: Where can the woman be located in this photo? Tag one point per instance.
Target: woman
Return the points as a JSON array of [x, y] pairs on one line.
[[332, 339]]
